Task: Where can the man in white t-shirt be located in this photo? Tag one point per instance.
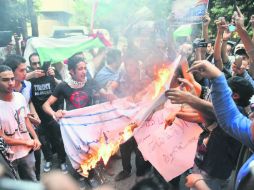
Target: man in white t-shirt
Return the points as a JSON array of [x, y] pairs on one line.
[[15, 126]]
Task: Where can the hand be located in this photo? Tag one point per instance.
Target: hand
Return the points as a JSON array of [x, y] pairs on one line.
[[221, 24], [169, 119], [237, 67], [186, 50], [37, 144], [29, 143], [35, 120], [177, 96], [206, 19], [111, 86], [133, 126], [187, 85], [191, 179], [251, 116], [51, 71], [58, 115], [38, 73], [110, 97], [226, 35], [238, 17], [252, 21], [205, 69]]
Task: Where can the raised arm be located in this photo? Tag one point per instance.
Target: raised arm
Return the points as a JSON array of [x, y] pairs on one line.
[[226, 36], [205, 25], [227, 114], [240, 28], [221, 26]]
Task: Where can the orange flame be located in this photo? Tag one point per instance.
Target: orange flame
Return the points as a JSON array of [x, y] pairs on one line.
[[162, 76], [106, 150]]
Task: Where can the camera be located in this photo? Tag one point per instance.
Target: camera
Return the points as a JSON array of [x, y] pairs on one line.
[[197, 43], [45, 66]]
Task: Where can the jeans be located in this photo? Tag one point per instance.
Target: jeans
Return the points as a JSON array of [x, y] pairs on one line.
[[26, 167], [50, 138]]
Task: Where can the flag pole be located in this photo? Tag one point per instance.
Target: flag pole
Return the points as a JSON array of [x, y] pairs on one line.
[[94, 7]]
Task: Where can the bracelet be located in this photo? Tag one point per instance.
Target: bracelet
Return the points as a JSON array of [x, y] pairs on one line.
[[201, 179]]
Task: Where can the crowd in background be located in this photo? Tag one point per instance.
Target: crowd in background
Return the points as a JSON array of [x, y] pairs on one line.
[[214, 84]]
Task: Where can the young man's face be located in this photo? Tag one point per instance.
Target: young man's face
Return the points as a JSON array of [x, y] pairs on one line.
[[20, 72], [209, 48], [79, 74], [7, 82], [132, 68], [35, 62]]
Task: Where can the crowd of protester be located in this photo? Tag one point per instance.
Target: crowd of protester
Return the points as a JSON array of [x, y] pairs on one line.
[[214, 85]]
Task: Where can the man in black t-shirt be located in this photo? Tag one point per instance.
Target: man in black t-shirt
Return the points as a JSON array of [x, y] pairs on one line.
[[76, 91], [43, 84]]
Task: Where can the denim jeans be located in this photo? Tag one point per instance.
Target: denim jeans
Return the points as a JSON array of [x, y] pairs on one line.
[[50, 137], [26, 167]]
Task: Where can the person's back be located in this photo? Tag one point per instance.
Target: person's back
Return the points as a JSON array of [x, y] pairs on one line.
[[110, 71]]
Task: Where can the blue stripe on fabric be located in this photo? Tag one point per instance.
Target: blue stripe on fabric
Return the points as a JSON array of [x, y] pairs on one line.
[[97, 122], [97, 113], [88, 115]]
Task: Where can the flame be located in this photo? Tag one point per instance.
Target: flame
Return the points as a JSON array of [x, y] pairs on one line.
[[162, 75], [106, 150]]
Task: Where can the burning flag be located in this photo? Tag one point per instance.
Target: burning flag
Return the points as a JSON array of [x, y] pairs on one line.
[[94, 133]]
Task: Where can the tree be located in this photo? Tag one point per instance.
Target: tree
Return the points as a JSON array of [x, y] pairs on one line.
[[218, 8], [115, 15], [15, 14]]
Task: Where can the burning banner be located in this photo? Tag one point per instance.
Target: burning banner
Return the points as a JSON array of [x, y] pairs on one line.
[[95, 133]]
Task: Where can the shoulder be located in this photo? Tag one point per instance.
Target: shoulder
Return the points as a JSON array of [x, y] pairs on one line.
[[18, 97], [62, 85], [27, 83]]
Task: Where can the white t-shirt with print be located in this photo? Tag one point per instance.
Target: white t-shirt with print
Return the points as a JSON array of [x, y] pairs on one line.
[[12, 123]]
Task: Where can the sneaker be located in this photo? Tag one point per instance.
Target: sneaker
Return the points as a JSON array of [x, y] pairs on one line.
[[63, 167], [122, 175], [94, 182], [47, 167]]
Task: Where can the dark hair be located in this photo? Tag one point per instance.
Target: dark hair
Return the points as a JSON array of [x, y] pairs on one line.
[[73, 61], [13, 61], [78, 54], [113, 55], [4, 68], [243, 88], [33, 54]]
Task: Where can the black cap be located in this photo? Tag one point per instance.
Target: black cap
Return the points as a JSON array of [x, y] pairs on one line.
[[242, 87]]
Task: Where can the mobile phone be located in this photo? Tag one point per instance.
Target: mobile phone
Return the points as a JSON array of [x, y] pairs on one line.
[[46, 66], [231, 28]]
